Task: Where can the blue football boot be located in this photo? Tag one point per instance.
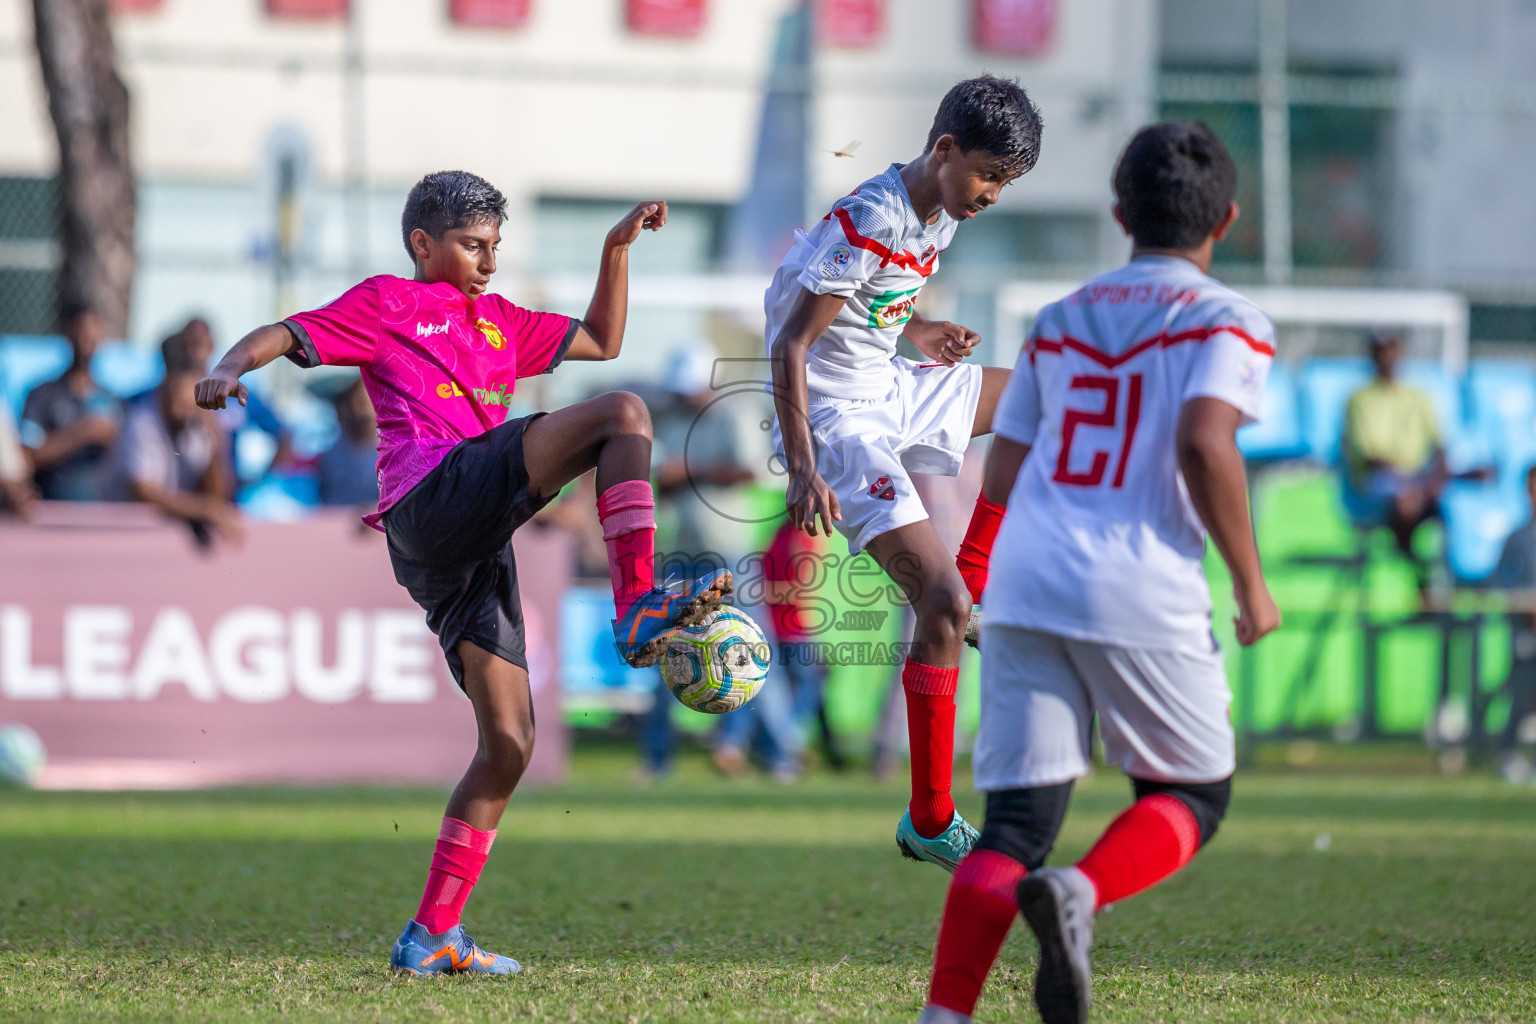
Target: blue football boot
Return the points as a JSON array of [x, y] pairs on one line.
[[947, 849], [640, 633], [417, 951]]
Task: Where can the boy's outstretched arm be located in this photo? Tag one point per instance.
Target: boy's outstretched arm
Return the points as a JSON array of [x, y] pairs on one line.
[[808, 497], [601, 333], [1218, 486], [1002, 468], [251, 352]]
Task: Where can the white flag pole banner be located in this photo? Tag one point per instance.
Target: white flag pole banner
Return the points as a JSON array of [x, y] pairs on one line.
[[143, 662]]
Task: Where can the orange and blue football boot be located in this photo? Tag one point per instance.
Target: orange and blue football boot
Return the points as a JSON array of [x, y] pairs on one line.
[[417, 951], [642, 631]]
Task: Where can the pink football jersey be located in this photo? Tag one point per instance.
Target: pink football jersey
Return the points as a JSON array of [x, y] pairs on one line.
[[438, 365]]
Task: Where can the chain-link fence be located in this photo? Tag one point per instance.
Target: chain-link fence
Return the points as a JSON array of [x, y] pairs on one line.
[[29, 255]]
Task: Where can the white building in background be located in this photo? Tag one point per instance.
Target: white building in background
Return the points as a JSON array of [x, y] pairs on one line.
[[573, 115]]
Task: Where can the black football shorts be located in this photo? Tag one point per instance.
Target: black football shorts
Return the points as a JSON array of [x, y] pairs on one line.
[[450, 541]]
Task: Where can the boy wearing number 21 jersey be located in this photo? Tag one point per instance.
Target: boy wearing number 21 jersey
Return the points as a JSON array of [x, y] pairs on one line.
[[1115, 454]]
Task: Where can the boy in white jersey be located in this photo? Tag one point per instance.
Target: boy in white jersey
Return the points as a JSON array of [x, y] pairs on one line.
[[1116, 451], [854, 418]]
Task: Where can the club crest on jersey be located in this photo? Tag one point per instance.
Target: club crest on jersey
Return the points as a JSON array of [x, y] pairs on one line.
[[892, 309], [836, 262], [882, 489], [1248, 376], [492, 334]]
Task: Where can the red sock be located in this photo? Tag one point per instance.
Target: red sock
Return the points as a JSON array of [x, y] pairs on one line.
[[931, 728], [1154, 837], [977, 915], [461, 853], [627, 512], [976, 550]]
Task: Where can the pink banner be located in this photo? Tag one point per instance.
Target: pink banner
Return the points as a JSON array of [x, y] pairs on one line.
[[307, 9], [144, 663], [665, 17], [490, 13], [850, 22], [1014, 28]]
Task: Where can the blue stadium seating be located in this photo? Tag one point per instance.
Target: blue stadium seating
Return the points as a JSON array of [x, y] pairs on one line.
[[127, 370], [1501, 397], [280, 497], [1326, 385], [27, 360], [1278, 436], [1477, 521]]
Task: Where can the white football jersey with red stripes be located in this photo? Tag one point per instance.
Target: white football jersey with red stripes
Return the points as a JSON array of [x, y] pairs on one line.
[[1101, 541], [874, 250]]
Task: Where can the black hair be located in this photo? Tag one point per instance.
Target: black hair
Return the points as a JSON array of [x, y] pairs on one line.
[[1174, 183], [175, 354], [990, 113], [445, 200], [72, 309]]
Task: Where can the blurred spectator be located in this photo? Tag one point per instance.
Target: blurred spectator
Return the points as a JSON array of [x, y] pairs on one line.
[[699, 474], [1517, 572], [575, 511], [1392, 446], [171, 455], [16, 493], [193, 345], [790, 566], [68, 425], [347, 468]]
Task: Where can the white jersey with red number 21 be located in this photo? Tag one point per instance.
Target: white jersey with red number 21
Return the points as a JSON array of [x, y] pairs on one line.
[[1101, 541]]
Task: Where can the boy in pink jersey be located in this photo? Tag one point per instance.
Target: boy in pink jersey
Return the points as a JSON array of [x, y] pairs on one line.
[[440, 358]]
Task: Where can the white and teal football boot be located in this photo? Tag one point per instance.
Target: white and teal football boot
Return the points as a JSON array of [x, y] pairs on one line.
[[947, 849]]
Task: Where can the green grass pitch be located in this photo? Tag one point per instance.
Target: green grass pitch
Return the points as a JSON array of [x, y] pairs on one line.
[[702, 900]]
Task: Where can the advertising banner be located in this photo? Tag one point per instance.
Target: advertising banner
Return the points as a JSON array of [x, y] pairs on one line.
[[490, 13], [665, 17], [143, 662], [307, 8], [850, 22], [1014, 28]]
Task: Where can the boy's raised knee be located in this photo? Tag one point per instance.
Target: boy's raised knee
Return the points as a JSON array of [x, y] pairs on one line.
[[944, 610], [627, 414]]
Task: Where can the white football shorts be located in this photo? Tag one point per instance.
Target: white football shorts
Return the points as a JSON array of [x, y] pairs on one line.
[[1164, 715], [866, 448]]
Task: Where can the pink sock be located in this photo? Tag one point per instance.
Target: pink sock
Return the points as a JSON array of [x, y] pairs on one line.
[[461, 853], [627, 513]]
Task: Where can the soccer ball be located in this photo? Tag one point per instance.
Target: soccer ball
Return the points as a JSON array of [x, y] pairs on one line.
[[21, 755], [717, 665]]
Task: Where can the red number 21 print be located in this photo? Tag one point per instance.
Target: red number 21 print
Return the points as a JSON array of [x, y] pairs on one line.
[[1108, 416]]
